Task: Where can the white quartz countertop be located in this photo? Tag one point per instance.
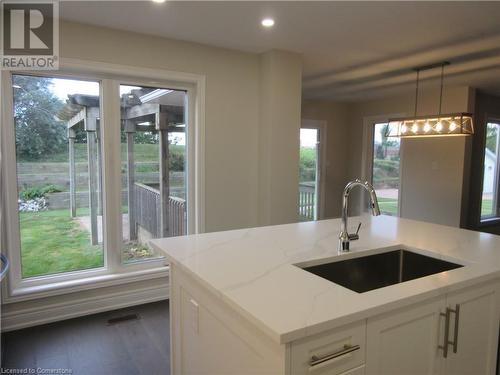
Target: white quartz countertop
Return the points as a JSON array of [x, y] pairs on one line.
[[253, 270]]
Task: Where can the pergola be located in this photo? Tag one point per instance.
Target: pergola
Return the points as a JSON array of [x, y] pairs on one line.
[[142, 110]]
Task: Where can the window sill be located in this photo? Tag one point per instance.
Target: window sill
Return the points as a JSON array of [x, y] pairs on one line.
[[70, 286], [487, 222]]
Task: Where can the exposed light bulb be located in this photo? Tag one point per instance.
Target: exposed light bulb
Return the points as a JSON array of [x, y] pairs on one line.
[[439, 126], [453, 126], [427, 127], [414, 128], [267, 22]]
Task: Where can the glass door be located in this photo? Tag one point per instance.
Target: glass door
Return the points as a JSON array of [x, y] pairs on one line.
[[309, 174], [153, 136]]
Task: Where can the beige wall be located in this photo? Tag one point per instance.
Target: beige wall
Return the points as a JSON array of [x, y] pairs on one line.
[[233, 101], [433, 170], [432, 174], [336, 116], [281, 85]]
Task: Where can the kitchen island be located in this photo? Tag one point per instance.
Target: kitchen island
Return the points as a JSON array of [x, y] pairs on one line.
[[241, 302]]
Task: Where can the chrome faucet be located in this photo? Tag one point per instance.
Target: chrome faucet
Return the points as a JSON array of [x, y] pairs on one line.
[[344, 236]]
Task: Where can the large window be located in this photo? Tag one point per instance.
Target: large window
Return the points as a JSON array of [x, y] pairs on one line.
[[489, 199], [385, 169], [58, 174], [95, 168]]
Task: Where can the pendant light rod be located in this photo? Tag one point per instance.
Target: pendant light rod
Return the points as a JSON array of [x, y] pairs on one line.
[[416, 93], [428, 67], [441, 89]]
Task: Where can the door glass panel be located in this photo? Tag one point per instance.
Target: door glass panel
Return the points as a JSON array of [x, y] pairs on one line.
[[153, 153], [489, 199], [385, 173], [57, 131], [308, 174]]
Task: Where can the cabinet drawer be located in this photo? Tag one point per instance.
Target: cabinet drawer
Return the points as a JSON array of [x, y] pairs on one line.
[[331, 353], [355, 371]]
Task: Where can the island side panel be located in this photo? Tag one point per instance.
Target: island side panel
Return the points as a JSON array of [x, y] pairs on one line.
[[210, 337]]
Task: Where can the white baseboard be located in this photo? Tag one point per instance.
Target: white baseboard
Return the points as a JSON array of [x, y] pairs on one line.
[[75, 307]]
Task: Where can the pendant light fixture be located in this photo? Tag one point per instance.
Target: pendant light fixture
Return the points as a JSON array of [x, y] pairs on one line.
[[451, 124]]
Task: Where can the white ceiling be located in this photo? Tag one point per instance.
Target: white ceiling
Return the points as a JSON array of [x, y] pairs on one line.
[[351, 50]]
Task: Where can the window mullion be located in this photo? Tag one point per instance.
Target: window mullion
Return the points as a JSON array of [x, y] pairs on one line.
[[111, 159], [9, 183]]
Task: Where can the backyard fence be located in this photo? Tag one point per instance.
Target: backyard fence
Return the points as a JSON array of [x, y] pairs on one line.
[[307, 201]]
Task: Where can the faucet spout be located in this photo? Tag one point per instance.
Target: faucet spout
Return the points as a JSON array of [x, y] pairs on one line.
[[344, 236]]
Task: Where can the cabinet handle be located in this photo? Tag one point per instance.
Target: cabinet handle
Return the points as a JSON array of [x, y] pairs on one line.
[[446, 341], [315, 360], [446, 332], [455, 333]]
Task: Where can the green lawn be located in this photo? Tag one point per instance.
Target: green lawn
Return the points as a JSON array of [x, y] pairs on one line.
[[52, 242], [486, 207], [388, 206]]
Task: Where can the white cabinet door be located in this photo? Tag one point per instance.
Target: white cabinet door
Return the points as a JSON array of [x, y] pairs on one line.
[[477, 334], [405, 341]]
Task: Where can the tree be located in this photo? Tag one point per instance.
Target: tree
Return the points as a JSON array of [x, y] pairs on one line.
[[38, 130], [491, 137], [386, 142]]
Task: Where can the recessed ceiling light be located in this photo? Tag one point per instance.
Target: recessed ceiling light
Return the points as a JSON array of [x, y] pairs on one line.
[[267, 22], [158, 1]]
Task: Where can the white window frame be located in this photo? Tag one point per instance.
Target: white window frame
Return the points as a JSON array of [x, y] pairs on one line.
[[321, 126], [369, 123], [114, 271]]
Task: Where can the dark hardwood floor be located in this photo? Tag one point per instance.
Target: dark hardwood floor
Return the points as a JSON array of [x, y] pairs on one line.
[[90, 346]]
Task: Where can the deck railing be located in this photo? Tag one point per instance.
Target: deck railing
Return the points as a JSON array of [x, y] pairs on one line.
[[148, 211], [307, 201], [177, 216]]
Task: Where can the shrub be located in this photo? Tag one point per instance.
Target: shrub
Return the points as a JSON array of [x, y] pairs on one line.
[[51, 189], [31, 193], [34, 192], [389, 167]]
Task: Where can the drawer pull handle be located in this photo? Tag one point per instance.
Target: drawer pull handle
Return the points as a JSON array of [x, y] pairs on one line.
[[315, 360]]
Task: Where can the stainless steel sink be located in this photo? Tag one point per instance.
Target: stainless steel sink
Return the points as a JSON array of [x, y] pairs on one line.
[[377, 271]]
